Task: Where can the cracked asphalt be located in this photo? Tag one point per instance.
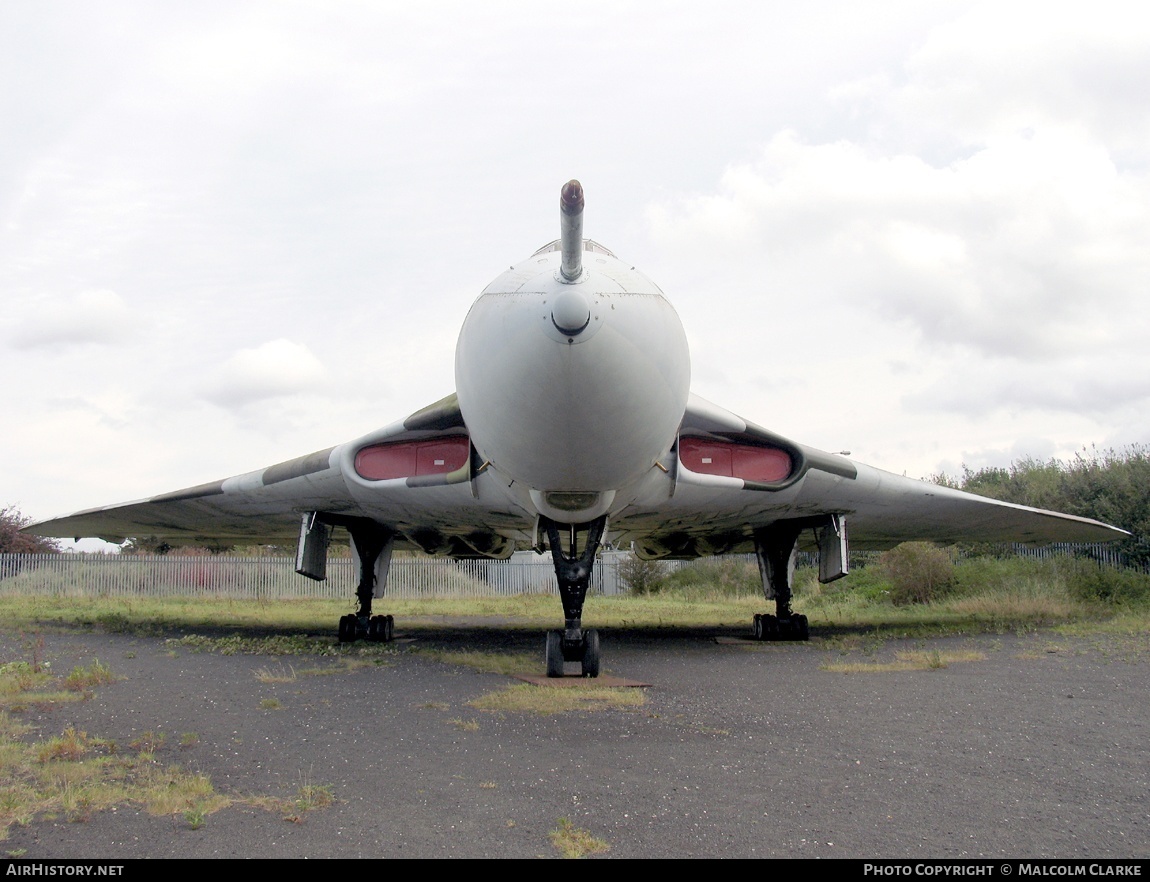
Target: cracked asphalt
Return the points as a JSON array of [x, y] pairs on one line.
[[1038, 747]]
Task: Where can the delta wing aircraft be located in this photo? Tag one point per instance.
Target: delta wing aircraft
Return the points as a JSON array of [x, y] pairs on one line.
[[573, 424]]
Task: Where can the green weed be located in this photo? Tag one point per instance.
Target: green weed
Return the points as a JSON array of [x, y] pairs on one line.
[[148, 742], [81, 679], [487, 662], [573, 842]]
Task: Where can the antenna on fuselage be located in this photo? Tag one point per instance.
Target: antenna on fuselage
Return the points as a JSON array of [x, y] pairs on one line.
[[571, 229]]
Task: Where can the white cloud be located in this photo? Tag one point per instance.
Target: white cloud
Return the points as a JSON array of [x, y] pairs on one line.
[[1031, 249], [94, 316], [275, 369], [929, 241], [980, 222]]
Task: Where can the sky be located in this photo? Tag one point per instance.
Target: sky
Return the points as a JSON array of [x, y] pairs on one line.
[[234, 233]]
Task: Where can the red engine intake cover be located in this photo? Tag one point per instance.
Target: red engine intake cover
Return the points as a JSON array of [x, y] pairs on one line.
[[767, 465], [408, 459]]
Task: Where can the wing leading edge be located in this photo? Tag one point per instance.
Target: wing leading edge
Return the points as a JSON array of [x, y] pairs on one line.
[[402, 476], [447, 512], [715, 509]]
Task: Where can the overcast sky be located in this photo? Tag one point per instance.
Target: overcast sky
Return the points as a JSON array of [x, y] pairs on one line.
[[233, 233]]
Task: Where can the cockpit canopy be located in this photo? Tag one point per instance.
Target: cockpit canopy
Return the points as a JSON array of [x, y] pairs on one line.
[[588, 245]]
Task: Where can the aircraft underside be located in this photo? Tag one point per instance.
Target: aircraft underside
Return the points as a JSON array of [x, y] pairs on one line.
[[573, 549]]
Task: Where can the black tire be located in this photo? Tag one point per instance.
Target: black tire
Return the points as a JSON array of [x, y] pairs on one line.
[[347, 629], [590, 661], [801, 631], [388, 628], [554, 654], [757, 627], [770, 627], [379, 629]]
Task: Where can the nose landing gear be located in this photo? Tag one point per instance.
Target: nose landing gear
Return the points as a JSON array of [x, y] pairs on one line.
[[573, 572]]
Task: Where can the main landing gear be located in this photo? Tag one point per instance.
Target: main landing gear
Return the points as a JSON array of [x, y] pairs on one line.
[[776, 547], [372, 546], [573, 572]]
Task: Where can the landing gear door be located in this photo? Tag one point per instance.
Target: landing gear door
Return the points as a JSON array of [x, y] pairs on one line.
[[833, 550], [311, 551]]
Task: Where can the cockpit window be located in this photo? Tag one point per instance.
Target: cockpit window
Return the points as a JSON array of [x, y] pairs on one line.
[[588, 245]]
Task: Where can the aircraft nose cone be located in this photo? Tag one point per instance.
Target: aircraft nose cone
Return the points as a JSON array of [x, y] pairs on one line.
[[571, 312]]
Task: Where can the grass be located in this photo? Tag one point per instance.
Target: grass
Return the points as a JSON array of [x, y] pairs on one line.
[[313, 796], [487, 662], [985, 595], [148, 742], [83, 679], [573, 842], [274, 644], [915, 660], [547, 700], [308, 797], [573, 695], [75, 774], [307, 627], [278, 674]]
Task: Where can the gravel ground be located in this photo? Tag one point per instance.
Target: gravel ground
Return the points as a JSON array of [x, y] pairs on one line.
[[1036, 748]]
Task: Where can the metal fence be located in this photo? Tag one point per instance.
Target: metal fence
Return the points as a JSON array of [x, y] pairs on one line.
[[1105, 554], [114, 575]]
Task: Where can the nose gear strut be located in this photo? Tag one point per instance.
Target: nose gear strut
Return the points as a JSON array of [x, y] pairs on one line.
[[573, 573]]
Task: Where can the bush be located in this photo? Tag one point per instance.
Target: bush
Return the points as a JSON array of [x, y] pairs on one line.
[[918, 572], [1089, 581], [640, 576], [735, 576], [1109, 485], [863, 584], [12, 541]]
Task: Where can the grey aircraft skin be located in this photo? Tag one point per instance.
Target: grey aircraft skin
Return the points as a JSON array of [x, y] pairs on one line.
[[573, 424]]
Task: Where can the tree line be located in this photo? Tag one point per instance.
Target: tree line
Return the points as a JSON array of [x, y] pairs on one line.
[[1109, 485], [12, 541]]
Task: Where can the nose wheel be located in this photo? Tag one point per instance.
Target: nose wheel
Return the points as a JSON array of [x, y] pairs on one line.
[[585, 651]]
